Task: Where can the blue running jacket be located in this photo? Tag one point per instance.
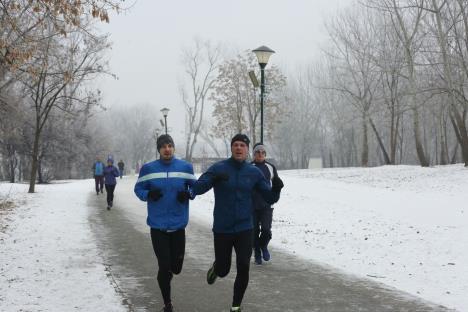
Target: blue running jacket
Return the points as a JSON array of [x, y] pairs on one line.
[[233, 208], [170, 177]]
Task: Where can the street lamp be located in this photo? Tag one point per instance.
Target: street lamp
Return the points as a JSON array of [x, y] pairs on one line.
[[263, 53], [165, 111], [156, 136]]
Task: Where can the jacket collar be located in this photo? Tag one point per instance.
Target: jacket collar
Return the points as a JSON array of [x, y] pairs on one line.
[[167, 162], [236, 164]]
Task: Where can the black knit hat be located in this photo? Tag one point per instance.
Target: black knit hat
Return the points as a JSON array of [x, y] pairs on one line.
[[164, 139], [240, 137]]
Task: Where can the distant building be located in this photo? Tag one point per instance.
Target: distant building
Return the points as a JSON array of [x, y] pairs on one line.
[[315, 163]]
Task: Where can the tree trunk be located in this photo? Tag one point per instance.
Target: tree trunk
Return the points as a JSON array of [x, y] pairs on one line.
[[192, 146], [453, 159], [12, 170], [417, 137], [463, 136], [365, 142], [40, 179], [187, 146], [443, 143], [381, 144], [446, 146], [393, 136], [34, 160]]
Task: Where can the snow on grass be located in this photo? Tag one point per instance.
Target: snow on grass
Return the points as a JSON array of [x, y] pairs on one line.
[[49, 261], [404, 226]]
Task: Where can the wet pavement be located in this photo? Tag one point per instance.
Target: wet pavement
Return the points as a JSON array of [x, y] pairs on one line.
[[286, 283]]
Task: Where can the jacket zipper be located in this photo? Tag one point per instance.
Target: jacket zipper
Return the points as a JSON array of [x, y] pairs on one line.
[[235, 203]]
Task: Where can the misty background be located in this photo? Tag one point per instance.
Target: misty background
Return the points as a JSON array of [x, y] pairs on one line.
[[352, 83], [148, 42]]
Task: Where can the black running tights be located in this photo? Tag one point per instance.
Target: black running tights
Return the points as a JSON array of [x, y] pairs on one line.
[[169, 248], [242, 244], [110, 193]]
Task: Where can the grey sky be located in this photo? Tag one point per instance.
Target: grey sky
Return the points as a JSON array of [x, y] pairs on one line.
[[148, 40]]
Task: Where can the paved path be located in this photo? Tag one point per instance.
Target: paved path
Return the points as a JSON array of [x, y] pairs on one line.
[[285, 284]]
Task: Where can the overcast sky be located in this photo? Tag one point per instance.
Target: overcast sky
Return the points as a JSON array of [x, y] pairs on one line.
[[147, 42]]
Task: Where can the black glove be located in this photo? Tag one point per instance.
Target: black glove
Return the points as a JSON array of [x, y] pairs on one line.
[[183, 196], [155, 194], [220, 177], [276, 184]]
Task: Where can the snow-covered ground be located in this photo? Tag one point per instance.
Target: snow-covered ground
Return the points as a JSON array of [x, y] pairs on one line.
[[403, 226], [49, 260]]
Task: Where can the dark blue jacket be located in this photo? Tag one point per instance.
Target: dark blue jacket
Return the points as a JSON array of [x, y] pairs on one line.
[[233, 198], [167, 213], [110, 172]]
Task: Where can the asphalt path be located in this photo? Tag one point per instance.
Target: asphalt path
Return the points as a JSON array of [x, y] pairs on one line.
[[286, 283]]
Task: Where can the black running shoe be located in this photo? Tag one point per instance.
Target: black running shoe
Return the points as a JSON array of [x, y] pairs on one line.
[[211, 275], [168, 308]]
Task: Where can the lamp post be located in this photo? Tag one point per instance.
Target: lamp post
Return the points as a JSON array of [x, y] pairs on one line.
[[263, 53], [165, 111], [156, 136]]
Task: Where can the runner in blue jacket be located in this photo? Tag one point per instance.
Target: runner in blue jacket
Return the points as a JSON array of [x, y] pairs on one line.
[[98, 174], [233, 181], [163, 184], [110, 173]]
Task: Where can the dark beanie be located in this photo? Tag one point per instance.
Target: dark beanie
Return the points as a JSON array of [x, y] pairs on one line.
[[164, 139], [240, 137]]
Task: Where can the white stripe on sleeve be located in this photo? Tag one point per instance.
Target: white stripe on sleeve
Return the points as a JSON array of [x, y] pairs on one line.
[[182, 175], [159, 175]]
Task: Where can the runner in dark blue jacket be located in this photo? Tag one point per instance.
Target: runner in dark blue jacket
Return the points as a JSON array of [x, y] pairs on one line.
[[163, 184], [233, 181], [110, 173]]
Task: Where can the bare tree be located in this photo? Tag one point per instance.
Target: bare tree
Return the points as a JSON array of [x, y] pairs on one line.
[[356, 75], [60, 64], [445, 17], [406, 17], [201, 63], [20, 20]]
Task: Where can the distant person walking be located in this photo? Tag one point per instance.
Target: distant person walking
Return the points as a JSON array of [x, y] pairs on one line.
[[163, 185], [121, 166], [110, 173], [263, 211], [233, 181], [98, 174]]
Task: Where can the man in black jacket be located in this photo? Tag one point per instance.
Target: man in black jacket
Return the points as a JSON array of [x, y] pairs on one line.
[[263, 212]]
